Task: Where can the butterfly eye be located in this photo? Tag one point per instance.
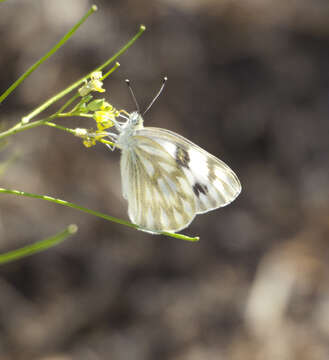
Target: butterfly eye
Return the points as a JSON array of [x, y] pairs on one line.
[[134, 118]]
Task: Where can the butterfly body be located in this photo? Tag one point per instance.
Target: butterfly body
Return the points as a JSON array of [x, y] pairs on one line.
[[167, 180]]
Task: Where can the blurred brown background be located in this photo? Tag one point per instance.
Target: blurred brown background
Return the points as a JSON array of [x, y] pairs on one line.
[[249, 82]]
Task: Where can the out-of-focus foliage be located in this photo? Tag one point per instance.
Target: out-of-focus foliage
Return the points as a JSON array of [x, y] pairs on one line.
[[248, 81]]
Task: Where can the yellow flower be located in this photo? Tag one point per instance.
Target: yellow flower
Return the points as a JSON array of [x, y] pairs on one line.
[[96, 85], [89, 142], [109, 108], [104, 119], [93, 85], [90, 137], [96, 75], [87, 136]]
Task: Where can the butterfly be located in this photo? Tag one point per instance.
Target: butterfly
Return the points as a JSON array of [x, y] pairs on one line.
[[168, 180]]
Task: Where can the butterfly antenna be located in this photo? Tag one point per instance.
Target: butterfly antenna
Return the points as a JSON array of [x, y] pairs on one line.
[[157, 95], [133, 95]]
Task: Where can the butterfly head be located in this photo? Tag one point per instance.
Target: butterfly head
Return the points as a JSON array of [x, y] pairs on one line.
[[135, 120], [126, 131]]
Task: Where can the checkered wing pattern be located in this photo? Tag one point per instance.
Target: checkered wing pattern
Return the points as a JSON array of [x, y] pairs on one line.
[[167, 180]]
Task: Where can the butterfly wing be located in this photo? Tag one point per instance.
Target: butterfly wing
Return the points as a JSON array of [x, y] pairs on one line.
[[213, 183], [158, 193], [167, 180]]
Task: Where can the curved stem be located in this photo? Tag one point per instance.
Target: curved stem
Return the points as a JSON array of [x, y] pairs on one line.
[[92, 212], [63, 40], [61, 94], [38, 246]]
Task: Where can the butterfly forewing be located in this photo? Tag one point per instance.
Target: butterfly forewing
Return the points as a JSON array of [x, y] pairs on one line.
[[213, 183], [167, 180]]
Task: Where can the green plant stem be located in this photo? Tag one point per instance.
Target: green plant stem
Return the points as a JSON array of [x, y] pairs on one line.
[[25, 125], [16, 129], [68, 103], [61, 94], [21, 127], [38, 246], [73, 132], [92, 212], [46, 122], [117, 64], [77, 95], [59, 127], [63, 40]]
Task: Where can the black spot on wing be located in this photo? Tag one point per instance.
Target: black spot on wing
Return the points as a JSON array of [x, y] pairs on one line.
[[182, 157], [199, 189]]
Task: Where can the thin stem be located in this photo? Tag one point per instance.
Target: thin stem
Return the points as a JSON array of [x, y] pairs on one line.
[[38, 246], [58, 96], [46, 122], [63, 40], [60, 127], [68, 103], [16, 129], [117, 64], [21, 127], [77, 95], [142, 28], [92, 212], [73, 132]]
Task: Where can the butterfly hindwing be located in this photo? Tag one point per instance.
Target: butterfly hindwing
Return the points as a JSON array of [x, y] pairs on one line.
[[158, 193]]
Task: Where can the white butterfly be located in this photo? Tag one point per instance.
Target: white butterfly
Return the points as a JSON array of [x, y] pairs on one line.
[[167, 179]]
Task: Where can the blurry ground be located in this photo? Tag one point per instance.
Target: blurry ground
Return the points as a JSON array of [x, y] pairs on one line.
[[248, 81]]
